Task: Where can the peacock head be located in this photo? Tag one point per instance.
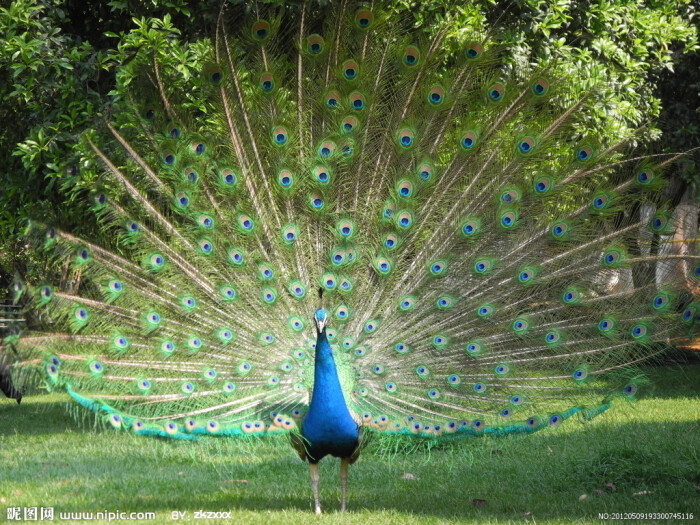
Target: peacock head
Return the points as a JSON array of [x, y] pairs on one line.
[[321, 318]]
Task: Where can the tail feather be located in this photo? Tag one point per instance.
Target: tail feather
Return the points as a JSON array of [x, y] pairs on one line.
[[482, 258]]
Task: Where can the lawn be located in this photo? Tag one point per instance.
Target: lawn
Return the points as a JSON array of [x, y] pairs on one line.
[[638, 458]]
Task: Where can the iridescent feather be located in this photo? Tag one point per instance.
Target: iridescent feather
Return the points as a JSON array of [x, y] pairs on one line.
[[480, 269]]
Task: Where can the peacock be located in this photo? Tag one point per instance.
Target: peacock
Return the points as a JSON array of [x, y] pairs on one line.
[[347, 228]]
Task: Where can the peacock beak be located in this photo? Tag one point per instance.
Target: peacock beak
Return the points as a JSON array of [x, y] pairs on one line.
[[321, 318]]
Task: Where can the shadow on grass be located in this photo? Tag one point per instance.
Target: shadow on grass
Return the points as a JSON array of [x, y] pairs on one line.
[[36, 415], [679, 377]]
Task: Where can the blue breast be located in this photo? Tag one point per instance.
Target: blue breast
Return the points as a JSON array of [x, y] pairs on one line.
[[328, 426]]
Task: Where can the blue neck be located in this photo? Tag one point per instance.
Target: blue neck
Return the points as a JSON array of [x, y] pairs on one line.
[[327, 393], [328, 419]]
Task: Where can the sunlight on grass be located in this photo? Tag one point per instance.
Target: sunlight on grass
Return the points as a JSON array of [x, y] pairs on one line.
[[641, 457]]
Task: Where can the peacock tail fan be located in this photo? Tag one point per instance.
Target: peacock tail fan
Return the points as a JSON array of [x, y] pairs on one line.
[[480, 258]]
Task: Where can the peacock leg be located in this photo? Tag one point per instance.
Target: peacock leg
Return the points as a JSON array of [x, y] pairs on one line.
[[343, 482], [314, 486]]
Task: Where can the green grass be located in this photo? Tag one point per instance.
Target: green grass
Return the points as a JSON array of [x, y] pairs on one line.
[[651, 447]]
